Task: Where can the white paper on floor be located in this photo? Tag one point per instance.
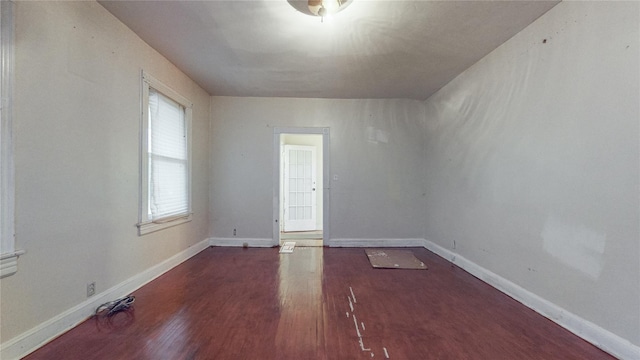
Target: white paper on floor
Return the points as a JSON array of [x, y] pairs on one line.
[[287, 247]]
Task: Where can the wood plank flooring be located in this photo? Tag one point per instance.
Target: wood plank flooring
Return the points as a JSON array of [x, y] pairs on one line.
[[317, 303]]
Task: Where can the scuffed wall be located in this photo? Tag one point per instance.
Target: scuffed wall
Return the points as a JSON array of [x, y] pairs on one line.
[[375, 149], [76, 128], [532, 162]]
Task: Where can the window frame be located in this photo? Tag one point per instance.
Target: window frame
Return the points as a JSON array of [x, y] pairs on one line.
[[8, 253], [145, 224]]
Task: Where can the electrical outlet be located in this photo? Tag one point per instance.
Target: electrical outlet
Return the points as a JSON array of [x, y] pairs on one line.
[[91, 289], [234, 232]]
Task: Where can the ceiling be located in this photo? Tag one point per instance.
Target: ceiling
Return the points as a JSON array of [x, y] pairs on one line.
[[371, 49]]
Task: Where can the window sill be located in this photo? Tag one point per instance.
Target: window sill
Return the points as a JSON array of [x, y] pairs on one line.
[[149, 227], [9, 263]]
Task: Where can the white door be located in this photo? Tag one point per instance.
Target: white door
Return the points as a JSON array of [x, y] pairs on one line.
[[299, 188]]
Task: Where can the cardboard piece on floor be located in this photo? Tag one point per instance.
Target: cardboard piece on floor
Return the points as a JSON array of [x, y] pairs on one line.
[[287, 247], [394, 259]]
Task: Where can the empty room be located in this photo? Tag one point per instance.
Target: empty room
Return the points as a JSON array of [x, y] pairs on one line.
[[321, 179]]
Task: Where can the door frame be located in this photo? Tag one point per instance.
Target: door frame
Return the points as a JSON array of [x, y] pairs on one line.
[[326, 177]]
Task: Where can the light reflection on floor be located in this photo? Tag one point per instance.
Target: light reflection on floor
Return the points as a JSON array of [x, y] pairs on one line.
[[301, 305]]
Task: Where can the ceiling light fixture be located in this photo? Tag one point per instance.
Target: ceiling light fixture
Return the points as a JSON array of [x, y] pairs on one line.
[[321, 8]]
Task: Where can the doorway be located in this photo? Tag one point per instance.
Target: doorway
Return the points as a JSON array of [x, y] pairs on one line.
[[301, 186]]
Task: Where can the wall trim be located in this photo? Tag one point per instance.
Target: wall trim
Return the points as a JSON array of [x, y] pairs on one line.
[[36, 337], [238, 242], [409, 242], [8, 253], [590, 332]]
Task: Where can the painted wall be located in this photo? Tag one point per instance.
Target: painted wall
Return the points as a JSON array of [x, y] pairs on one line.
[[375, 150], [76, 127], [532, 162]]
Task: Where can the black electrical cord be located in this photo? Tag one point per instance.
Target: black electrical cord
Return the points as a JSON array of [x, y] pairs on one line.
[[113, 307]]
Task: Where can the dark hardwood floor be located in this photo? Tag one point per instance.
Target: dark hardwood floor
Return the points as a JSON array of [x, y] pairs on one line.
[[317, 303]]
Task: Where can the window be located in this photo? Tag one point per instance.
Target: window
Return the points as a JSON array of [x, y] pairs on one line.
[[8, 253], [165, 185]]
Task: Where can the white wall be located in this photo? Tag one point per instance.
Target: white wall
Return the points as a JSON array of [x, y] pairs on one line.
[[76, 127], [375, 150], [532, 162]]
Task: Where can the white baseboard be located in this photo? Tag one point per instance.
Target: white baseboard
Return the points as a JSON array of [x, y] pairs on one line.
[[267, 242], [34, 338], [376, 243], [239, 242], [596, 335]]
